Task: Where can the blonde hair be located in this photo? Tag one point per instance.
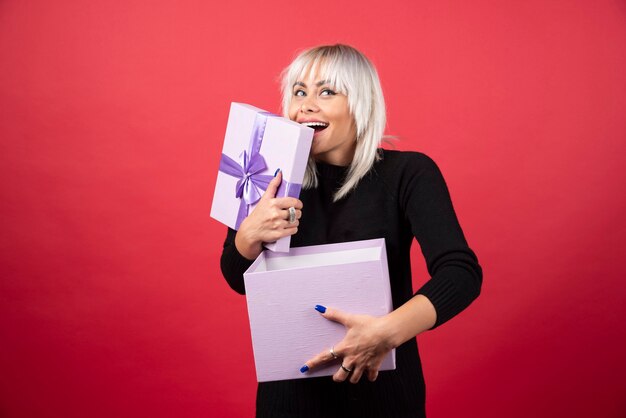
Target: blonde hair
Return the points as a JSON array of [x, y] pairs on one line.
[[352, 74]]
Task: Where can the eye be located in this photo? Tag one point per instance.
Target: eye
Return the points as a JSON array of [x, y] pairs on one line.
[[299, 93], [327, 92]]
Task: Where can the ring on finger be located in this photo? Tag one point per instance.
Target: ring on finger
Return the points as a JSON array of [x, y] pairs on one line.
[[345, 369], [292, 214], [332, 352]]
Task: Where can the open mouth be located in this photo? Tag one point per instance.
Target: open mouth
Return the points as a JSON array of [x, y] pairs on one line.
[[318, 126]]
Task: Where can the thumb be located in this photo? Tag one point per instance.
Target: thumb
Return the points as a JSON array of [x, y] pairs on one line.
[[273, 185], [333, 314]]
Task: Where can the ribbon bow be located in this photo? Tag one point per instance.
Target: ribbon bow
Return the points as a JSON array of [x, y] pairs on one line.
[[251, 184]]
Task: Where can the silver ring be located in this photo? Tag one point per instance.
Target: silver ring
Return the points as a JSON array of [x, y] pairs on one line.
[[292, 215], [332, 352], [345, 369]]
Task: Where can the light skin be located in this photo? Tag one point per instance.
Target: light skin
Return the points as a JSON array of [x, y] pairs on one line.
[[315, 100], [268, 221], [368, 339]]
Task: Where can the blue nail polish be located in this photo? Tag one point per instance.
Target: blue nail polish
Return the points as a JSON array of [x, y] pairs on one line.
[[304, 369], [276, 172], [320, 308]]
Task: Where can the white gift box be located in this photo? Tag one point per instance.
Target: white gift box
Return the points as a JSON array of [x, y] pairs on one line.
[[282, 290], [256, 144]]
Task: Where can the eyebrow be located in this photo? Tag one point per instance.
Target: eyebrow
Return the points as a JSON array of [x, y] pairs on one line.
[[318, 84]]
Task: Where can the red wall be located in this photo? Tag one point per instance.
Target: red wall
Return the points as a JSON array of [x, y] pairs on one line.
[[112, 115]]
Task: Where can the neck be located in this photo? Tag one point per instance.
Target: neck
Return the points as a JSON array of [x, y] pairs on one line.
[[338, 157]]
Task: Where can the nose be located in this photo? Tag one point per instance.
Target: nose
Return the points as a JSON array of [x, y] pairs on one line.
[[309, 105]]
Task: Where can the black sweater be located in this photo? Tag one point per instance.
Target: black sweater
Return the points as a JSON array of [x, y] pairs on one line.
[[403, 197]]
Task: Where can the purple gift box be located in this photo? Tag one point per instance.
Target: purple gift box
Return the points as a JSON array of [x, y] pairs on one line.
[[256, 144], [282, 290]]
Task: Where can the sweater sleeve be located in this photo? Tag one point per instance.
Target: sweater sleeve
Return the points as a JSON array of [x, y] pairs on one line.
[[456, 276], [233, 264]]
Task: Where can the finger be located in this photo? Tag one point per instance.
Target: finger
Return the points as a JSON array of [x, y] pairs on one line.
[[286, 202], [292, 225], [285, 215], [372, 375], [373, 368], [298, 214], [322, 358], [343, 373], [285, 226], [280, 233], [280, 225], [333, 314], [280, 221], [356, 374], [273, 186]]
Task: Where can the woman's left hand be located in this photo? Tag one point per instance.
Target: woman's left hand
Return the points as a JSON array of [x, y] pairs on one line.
[[362, 350]]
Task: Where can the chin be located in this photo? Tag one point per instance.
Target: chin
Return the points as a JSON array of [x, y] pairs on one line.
[[315, 149]]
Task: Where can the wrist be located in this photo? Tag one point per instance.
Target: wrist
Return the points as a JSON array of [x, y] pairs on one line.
[[409, 320], [249, 249], [390, 331]]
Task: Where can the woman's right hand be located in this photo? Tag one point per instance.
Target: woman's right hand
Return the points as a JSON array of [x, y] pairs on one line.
[[268, 221]]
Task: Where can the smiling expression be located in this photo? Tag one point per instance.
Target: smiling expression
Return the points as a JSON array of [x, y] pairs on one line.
[[317, 104]]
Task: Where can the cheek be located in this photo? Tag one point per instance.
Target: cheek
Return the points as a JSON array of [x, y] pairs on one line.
[[293, 111], [347, 125], [353, 128]]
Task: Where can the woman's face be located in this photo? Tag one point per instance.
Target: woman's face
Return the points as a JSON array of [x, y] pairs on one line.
[[315, 103]]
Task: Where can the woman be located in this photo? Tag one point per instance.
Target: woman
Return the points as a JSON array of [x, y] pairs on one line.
[[355, 191]]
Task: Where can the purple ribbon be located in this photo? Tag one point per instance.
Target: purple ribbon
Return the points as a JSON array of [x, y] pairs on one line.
[[251, 184]]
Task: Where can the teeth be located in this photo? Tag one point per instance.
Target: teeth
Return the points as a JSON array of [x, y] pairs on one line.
[[314, 124]]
